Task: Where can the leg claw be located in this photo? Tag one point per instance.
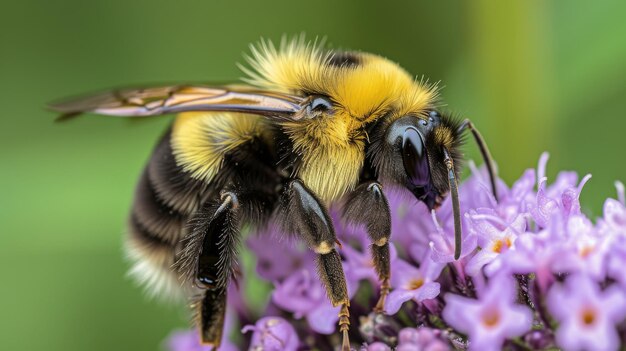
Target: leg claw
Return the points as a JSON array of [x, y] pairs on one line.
[[345, 344]]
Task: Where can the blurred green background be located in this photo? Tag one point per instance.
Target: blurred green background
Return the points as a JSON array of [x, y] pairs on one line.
[[532, 75]]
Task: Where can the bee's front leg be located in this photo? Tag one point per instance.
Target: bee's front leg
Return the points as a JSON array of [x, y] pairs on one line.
[[368, 205], [307, 217]]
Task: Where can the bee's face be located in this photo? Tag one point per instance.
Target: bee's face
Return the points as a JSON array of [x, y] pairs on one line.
[[414, 155]]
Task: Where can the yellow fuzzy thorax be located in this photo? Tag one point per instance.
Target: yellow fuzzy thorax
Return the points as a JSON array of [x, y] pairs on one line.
[[332, 147], [331, 158]]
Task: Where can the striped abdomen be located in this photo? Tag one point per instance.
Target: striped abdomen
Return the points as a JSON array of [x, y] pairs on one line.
[[165, 198]]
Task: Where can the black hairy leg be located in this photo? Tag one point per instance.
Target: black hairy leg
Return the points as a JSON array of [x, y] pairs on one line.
[[368, 205], [210, 310], [209, 253], [306, 217], [209, 260]]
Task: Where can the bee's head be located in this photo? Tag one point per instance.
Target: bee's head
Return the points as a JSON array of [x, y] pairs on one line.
[[417, 152]]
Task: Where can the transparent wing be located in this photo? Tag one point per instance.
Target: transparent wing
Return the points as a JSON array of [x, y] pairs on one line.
[[182, 98]]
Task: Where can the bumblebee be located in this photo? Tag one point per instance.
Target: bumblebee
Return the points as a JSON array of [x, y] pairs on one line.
[[311, 127]]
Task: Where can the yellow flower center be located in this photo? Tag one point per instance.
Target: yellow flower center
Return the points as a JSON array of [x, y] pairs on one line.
[[585, 250], [491, 318], [588, 316], [415, 284], [498, 244]]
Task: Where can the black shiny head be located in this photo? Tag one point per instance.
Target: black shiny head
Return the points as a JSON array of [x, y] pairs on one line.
[[421, 153], [414, 155]]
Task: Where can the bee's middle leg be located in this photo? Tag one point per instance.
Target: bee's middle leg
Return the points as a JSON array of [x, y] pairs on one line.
[[307, 217], [368, 205]]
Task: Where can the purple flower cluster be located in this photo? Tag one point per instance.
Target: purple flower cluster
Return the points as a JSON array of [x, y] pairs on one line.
[[535, 273]]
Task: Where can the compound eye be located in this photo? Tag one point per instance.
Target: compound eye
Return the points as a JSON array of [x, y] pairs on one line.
[[317, 105], [320, 104], [414, 157]]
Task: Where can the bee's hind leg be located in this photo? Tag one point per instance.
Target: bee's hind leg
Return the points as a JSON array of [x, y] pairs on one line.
[[306, 217], [208, 259], [367, 205]]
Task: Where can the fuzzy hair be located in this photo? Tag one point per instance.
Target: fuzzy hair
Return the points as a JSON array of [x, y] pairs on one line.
[[151, 269], [200, 139]]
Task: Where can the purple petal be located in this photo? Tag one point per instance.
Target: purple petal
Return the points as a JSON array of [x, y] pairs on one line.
[[519, 321], [324, 319], [460, 312], [378, 346], [475, 265], [273, 334], [615, 214], [299, 293], [187, 340], [544, 208], [409, 336], [272, 267], [427, 291], [404, 273], [615, 302], [395, 300]]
